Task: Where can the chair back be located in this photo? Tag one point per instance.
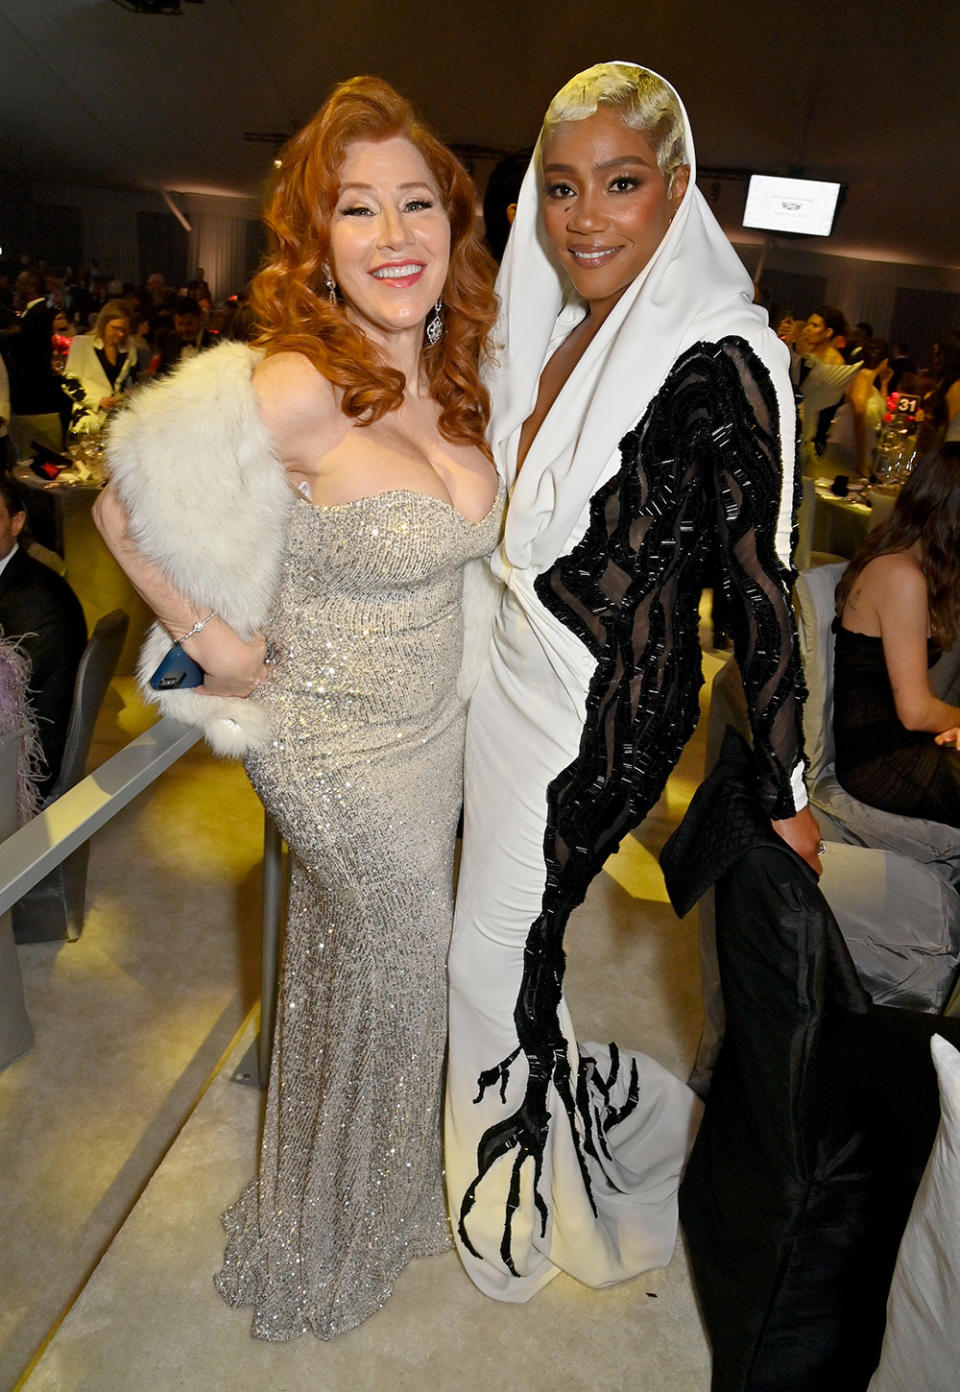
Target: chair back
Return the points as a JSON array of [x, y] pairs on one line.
[[814, 597], [9, 763], [16, 1033], [97, 666]]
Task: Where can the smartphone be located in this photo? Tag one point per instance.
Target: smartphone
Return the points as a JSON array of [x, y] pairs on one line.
[[177, 670]]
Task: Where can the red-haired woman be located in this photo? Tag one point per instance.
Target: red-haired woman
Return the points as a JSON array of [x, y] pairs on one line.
[[313, 507], [899, 604]]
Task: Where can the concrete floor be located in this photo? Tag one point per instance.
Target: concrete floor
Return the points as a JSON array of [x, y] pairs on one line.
[[122, 1136]]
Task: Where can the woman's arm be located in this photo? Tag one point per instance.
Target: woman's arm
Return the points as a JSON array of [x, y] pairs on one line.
[[858, 394], [754, 472], [896, 589], [231, 666]]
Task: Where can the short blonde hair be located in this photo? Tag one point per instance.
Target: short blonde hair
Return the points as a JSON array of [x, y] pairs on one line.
[[113, 309], [644, 101]]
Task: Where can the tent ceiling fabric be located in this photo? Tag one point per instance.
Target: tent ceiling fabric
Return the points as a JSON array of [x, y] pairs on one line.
[[91, 93]]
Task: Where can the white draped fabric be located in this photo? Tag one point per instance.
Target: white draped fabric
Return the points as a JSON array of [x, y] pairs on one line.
[[221, 243], [532, 1188]]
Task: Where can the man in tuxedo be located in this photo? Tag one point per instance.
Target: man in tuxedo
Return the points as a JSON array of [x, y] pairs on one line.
[[40, 611], [36, 396], [186, 339]]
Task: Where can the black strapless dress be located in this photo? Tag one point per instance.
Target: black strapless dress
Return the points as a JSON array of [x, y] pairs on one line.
[[879, 760]]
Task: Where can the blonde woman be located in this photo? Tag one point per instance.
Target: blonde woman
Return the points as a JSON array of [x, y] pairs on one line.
[[104, 363]]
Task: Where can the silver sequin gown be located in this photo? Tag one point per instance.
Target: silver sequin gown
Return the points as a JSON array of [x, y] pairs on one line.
[[364, 781]]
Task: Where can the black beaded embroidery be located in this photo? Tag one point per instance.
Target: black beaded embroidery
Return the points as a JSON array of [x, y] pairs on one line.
[[701, 471]]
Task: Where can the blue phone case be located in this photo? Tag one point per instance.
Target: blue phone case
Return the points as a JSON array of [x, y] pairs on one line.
[[176, 671]]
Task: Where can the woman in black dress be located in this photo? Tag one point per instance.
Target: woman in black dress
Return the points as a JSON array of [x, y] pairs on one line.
[[898, 745]]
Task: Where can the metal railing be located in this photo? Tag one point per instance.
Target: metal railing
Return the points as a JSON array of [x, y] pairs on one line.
[[37, 848]]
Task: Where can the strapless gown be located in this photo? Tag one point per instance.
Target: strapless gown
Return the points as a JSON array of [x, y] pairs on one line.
[[879, 760], [364, 781]]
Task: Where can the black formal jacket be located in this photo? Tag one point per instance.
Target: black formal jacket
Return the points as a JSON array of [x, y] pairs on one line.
[[172, 346], [38, 607], [35, 388]]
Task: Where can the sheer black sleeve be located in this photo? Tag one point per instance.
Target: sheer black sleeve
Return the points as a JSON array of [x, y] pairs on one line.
[[755, 474], [700, 477]]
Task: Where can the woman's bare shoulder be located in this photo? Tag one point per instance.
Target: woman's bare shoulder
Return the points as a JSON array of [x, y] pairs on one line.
[[895, 566], [895, 577], [292, 395]]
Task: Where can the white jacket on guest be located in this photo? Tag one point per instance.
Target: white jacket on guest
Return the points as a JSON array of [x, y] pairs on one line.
[[83, 363]]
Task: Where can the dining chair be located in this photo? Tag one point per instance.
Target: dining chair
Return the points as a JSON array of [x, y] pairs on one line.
[[804, 556], [53, 909], [16, 1032]]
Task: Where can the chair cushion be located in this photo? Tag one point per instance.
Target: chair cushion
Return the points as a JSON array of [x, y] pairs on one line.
[[900, 922], [921, 1346], [930, 843]]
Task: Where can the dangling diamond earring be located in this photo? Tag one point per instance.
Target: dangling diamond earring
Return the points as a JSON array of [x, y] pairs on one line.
[[332, 291], [435, 324]]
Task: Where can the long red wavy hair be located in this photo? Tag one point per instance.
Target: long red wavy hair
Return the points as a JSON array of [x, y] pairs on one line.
[[289, 294]]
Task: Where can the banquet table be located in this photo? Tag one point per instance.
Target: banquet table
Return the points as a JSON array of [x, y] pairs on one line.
[[839, 524], [830, 528]]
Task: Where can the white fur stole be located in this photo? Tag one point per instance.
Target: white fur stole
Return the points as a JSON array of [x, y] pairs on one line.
[[199, 477]]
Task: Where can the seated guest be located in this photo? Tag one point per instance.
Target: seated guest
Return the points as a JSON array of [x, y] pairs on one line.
[[823, 336], [941, 401], [199, 290], [855, 428], [5, 459], [186, 339], [500, 200], [898, 745], [158, 301], [822, 377], [35, 393], [788, 326], [39, 609], [902, 366], [105, 365], [140, 338]]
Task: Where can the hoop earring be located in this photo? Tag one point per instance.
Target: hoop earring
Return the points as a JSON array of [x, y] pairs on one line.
[[435, 324], [332, 291]]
